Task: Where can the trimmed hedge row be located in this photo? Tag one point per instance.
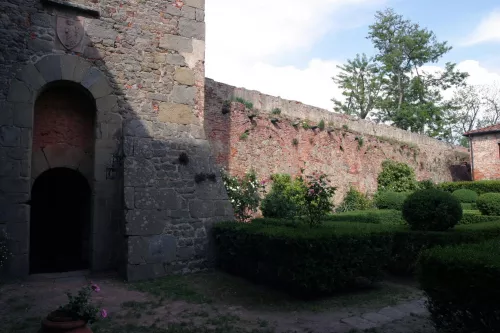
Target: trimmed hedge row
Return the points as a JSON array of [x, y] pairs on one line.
[[474, 216], [376, 216], [480, 186], [461, 283], [489, 204], [304, 262]]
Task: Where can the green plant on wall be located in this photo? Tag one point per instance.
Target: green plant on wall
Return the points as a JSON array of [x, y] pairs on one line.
[[276, 111], [305, 124], [397, 177], [244, 136], [345, 127], [321, 125], [247, 104], [295, 142], [361, 141]]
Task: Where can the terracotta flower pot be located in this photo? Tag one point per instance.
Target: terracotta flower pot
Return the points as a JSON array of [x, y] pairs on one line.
[[58, 322]]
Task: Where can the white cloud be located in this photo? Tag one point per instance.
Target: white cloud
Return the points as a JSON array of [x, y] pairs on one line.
[[488, 30], [244, 37]]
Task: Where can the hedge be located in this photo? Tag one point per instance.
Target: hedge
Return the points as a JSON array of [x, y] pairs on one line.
[[304, 261], [407, 245], [390, 200], [489, 204], [480, 186], [376, 216], [474, 216], [462, 285], [465, 195]]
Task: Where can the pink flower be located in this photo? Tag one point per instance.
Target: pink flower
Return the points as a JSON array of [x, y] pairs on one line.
[[104, 313], [95, 287], [311, 191]]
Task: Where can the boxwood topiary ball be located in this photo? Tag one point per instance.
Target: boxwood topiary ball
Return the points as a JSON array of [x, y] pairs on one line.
[[465, 196], [432, 210], [489, 204]]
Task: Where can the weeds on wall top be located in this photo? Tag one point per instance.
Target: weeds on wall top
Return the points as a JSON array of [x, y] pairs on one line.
[[247, 104]]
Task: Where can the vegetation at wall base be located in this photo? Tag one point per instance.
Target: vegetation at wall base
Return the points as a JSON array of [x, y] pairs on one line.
[[396, 177], [354, 200], [465, 196], [305, 262], [489, 204], [461, 283], [375, 216], [390, 200], [432, 209], [480, 186]]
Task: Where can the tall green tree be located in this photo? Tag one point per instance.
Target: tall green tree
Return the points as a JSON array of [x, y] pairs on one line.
[[409, 95], [361, 81]]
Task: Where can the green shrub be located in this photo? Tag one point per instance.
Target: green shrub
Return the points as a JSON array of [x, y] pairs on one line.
[[354, 200], [432, 210], [285, 199], [390, 200], [408, 244], [469, 206], [474, 216], [489, 204], [375, 216], [465, 196], [303, 261], [396, 177], [426, 184], [461, 283], [480, 186]]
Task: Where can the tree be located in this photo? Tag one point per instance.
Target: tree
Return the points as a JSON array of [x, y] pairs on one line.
[[409, 95], [491, 100], [361, 81]]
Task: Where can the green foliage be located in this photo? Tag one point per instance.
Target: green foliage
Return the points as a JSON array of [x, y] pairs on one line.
[[411, 98], [480, 186], [306, 262], [361, 141], [79, 307], [244, 136], [390, 200], [407, 244], [248, 104], [276, 111], [295, 142], [432, 210], [305, 125], [474, 216], [361, 82], [317, 198], [285, 198], [489, 204], [5, 253], [469, 206], [374, 216], [321, 125], [354, 200], [426, 184], [465, 196], [396, 177], [345, 127], [461, 283], [243, 193]]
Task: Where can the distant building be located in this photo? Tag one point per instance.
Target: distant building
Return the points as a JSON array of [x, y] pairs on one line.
[[485, 152]]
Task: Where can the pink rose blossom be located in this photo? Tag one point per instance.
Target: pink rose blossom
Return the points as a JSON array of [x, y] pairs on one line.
[[104, 313], [95, 287]]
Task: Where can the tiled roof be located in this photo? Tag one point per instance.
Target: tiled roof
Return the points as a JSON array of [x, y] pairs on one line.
[[484, 130]]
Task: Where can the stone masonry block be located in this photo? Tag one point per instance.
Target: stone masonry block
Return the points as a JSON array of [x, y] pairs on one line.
[[183, 94], [92, 76], [184, 76], [50, 68], [176, 43], [192, 29], [22, 114], [161, 249], [19, 92], [68, 64], [201, 208], [139, 172], [81, 68], [144, 222], [200, 15], [195, 3], [188, 12], [31, 77], [177, 113], [129, 197], [10, 136], [150, 198]]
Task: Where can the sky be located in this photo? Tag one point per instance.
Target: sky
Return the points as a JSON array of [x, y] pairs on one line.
[[291, 48]]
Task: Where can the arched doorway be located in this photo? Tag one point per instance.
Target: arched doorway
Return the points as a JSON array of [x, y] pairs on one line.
[[60, 221], [62, 174]]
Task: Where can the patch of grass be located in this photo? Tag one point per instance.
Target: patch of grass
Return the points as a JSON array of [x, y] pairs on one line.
[[247, 104], [244, 136], [276, 111], [173, 288], [345, 127], [295, 142], [305, 125]]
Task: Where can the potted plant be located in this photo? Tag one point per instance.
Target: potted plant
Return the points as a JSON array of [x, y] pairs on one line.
[[75, 316]]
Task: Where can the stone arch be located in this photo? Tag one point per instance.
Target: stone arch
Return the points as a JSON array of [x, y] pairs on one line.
[[30, 82]]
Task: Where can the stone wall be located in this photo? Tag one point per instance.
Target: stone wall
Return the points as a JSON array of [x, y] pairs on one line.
[[349, 151], [486, 156], [142, 63]]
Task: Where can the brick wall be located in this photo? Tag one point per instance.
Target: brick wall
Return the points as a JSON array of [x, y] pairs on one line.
[[350, 152], [486, 160]]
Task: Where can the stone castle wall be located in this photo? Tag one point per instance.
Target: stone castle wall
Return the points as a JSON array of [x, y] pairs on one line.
[[142, 64], [349, 151], [486, 156]]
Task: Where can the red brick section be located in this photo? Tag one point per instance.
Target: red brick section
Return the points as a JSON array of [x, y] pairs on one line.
[[486, 156], [269, 149], [64, 115]]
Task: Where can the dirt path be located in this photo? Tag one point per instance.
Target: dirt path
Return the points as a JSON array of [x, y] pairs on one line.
[[215, 302]]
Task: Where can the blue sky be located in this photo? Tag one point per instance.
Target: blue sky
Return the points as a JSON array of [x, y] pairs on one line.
[[291, 48]]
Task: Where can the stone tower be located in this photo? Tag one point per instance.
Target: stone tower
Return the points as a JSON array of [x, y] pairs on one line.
[[104, 162]]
